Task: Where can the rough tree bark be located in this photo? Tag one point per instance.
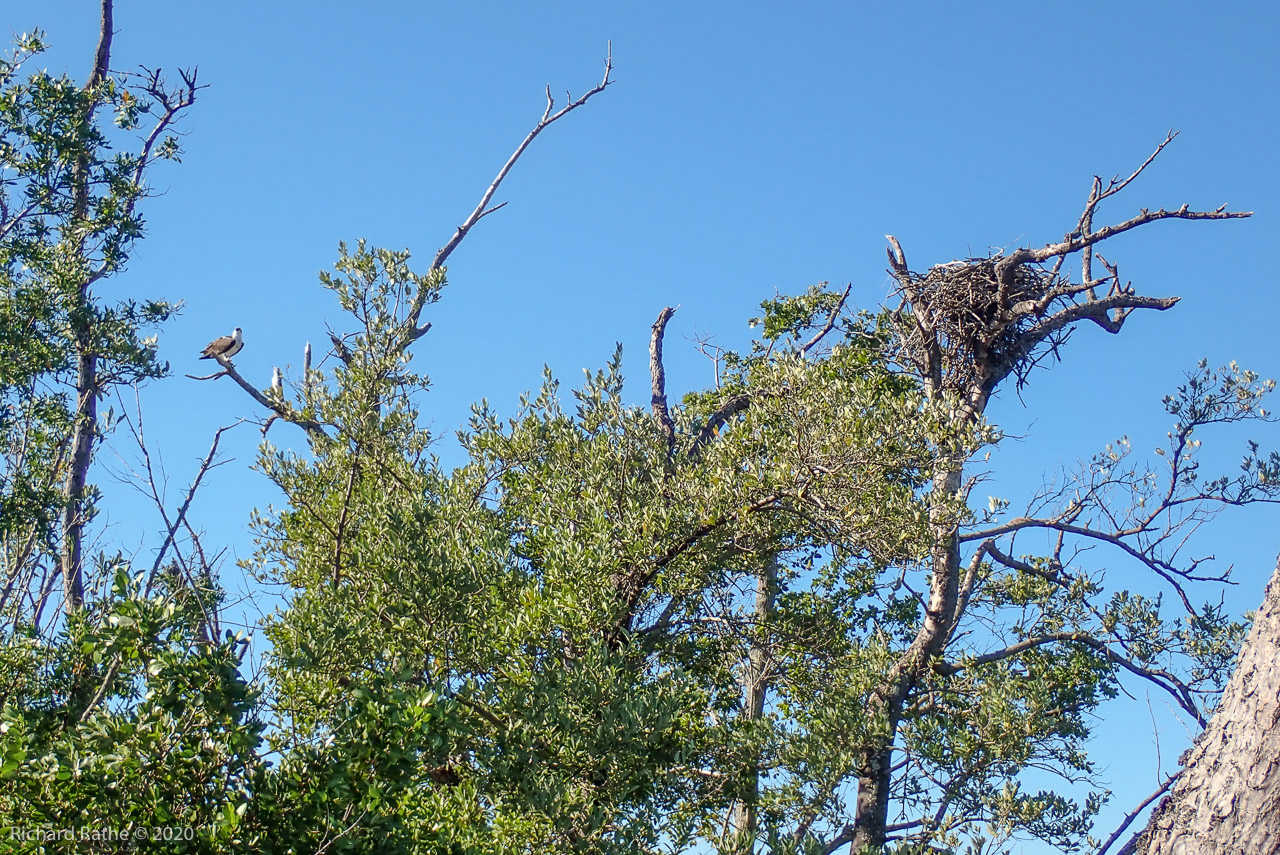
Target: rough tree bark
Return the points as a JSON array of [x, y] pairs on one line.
[[1227, 798], [755, 688], [74, 515]]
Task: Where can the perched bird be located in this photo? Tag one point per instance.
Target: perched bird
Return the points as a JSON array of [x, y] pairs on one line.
[[277, 381], [225, 347]]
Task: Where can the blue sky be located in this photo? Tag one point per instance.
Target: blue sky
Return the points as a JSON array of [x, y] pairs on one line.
[[745, 148]]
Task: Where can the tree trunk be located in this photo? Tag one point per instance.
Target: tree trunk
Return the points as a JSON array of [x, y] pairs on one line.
[[872, 810], [1227, 798], [75, 515], [755, 686], [871, 813]]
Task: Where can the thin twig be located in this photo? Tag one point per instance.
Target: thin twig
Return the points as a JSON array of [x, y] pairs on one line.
[[205, 465]]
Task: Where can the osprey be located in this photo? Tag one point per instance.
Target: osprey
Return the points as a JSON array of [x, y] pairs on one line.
[[225, 347]]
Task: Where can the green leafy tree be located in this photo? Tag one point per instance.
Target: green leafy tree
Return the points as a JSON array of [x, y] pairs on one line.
[[570, 589], [130, 724], [73, 166], [766, 615], [1008, 650]]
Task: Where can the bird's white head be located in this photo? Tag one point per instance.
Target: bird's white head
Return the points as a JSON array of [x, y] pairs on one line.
[[236, 334]]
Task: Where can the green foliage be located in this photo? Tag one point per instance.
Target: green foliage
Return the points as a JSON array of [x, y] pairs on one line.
[[129, 719], [560, 645], [568, 590], [70, 180], [367, 781], [575, 592]]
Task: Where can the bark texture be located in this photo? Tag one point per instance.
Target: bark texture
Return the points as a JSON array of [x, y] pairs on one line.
[[755, 688], [75, 515], [1227, 799]]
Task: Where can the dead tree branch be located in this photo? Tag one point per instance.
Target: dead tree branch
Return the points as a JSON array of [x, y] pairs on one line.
[[1133, 814], [482, 208], [180, 520], [966, 325], [414, 329], [658, 377], [281, 409]]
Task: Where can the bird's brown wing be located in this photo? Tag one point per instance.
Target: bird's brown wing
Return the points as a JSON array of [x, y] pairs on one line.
[[216, 347]]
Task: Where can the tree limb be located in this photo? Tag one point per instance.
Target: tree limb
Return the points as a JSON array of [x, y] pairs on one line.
[[658, 378], [102, 56], [719, 418], [1133, 814], [180, 519], [282, 410], [1158, 677], [482, 209], [831, 322]]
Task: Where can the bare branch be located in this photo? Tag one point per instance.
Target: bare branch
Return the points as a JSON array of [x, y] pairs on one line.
[[172, 108], [658, 377], [970, 579], [1075, 244], [280, 408], [414, 330], [181, 518], [845, 836], [719, 418], [102, 56], [482, 208], [897, 258], [711, 351], [1118, 539], [1171, 684], [1133, 814], [1115, 187]]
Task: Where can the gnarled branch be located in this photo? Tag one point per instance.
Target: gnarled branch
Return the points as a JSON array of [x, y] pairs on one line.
[[658, 378]]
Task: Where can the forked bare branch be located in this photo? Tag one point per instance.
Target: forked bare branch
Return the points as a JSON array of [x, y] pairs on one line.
[[180, 520], [966, 325], [414, 329], [548, 118]]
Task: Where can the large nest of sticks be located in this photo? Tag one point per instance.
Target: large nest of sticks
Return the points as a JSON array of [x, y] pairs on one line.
[[966, 308]]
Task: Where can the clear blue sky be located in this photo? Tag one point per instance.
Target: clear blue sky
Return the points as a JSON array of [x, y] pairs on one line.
[[746, 147]]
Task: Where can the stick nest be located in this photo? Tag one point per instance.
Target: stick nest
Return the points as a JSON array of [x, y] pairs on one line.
[[964, 309]]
